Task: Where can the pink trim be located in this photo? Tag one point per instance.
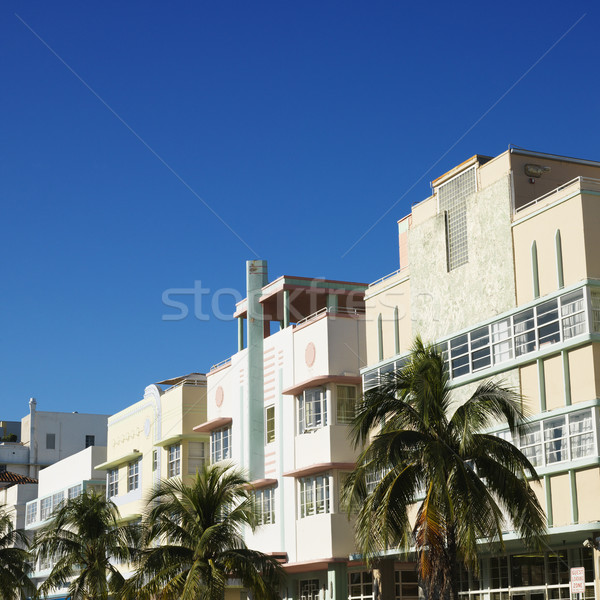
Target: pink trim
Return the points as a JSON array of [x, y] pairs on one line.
[[321, 380], [213, 424], [312, 469]]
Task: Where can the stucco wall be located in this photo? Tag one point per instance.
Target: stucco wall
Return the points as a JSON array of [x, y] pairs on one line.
[[443, 302]]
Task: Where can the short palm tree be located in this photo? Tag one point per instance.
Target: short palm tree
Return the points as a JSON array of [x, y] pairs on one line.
[[14, 561], [425, 458], [83, 540], [193, 538]]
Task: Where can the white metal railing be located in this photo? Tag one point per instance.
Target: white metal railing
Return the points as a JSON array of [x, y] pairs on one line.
[[388, 276], [340, 310], [594, 184], [220, 364]]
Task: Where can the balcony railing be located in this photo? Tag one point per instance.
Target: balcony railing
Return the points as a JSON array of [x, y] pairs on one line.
[[220, 364], [587, 183], [341, 310]]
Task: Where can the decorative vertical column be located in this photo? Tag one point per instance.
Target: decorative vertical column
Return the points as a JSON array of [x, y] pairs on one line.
[[332, 302], [256, 279], [286, 308], [240, 334]]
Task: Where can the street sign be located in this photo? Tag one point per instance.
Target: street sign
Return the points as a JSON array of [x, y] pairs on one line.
[[577, 580]]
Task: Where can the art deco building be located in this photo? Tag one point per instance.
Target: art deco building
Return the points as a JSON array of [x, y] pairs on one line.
[[500, 267]]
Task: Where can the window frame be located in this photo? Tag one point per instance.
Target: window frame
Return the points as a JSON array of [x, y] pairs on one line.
[[314, 495], [312, 409], [220, 444], [174, 460], [133, 475], [343, 416], [112, 483], [270, 427], [265, 504]]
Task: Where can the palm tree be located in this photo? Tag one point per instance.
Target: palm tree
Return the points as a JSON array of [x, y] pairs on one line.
[[434, 462], [81, 540], [14, 561], [193, 538]]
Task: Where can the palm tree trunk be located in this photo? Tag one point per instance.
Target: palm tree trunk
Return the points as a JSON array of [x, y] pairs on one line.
[[383, 579], [453, 571]]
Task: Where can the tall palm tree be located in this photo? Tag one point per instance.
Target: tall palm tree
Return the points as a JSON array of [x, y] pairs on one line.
[[429, 458], [193, 538], [82, 539], [14, 561]]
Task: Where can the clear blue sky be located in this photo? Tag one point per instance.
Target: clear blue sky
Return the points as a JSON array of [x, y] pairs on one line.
[[299, 123]]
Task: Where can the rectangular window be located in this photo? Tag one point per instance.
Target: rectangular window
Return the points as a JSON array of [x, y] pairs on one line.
[[572, 312], [57, 500], [312, 410], [90, 440], [360, 585], [50, 441], [265, 505], [174, 465], [270, 424], [31, 513], [558, 439], [314, 495], [112, 482], [220, 444], [75, 491], [308, 589], [196, 457], [407, 585], [154, 460], [45, 508], [133, 475], [346, 403]]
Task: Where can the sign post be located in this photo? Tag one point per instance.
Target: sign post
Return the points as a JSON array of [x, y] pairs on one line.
[[578, 580]]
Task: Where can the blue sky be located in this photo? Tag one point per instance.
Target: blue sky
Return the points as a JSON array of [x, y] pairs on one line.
[[300, 124]]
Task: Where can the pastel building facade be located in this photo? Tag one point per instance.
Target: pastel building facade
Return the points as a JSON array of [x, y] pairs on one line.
[[59, 482], [47, 437], [152, 440], [500, 267], [280, 409]]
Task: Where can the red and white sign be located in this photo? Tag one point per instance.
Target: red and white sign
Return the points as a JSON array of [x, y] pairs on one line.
[[577, 580]]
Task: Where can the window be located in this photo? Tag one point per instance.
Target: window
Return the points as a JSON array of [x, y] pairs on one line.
[[314, 495], [312, 410], [45, 508], [269, 424], [112, 482], [90, 440], [133, 476], [572, 312], [346, 403], [196, 457], [452, 197], [407, 586], [154, 460], [308, 589], [50, 441], [57, 500], [174, 465], [360, 585], [220, 444], [31, 513], [558, 439], [74, 491], [265, 505]]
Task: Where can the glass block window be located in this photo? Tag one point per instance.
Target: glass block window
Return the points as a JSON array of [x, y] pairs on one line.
[[265, 505], [308, 589], [452, 197], [174, 464], [133, 476], [360, 585], [346, 403], [314, 495], [312, 410], [269, 424], [112, 483], [75, 491], [196, 457], [220, 444], [31, 513]]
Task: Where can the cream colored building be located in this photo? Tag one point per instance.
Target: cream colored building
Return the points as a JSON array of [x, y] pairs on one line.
[[500, 266], [153, 439]]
